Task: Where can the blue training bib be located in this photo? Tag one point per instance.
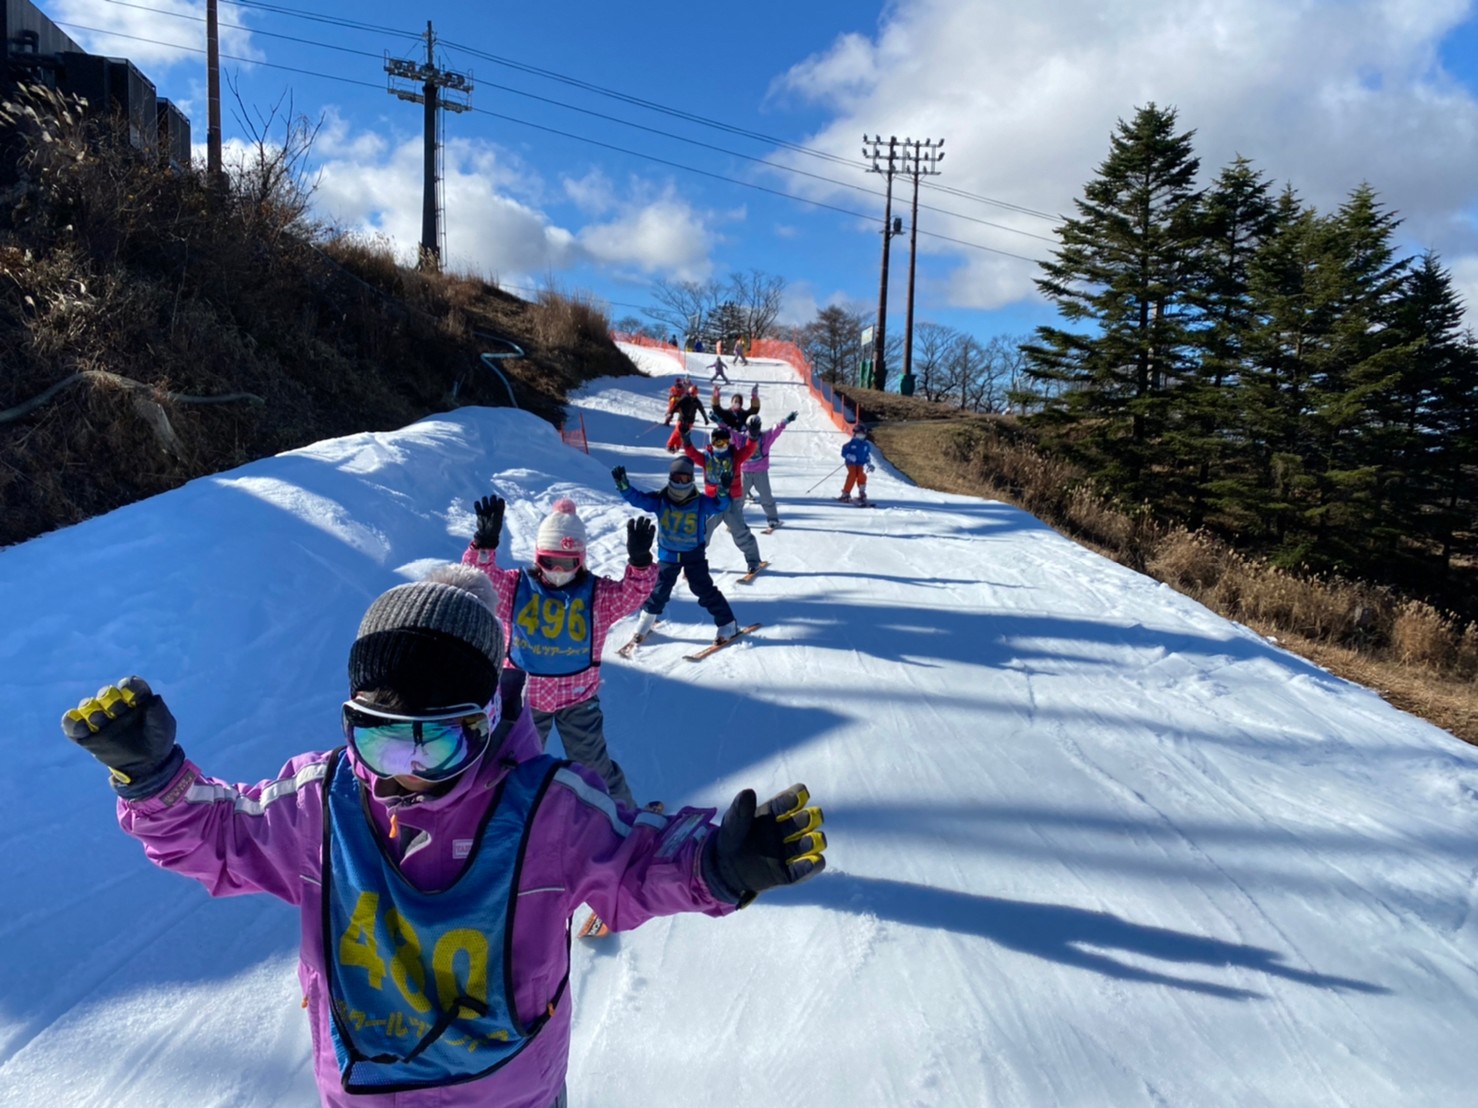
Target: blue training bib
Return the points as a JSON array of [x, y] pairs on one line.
[[419, 983]]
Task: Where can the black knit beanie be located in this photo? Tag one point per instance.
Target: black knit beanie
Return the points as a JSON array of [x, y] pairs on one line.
[[433, 644]]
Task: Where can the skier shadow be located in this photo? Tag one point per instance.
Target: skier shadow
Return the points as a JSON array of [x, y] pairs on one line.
[[1058, 933]]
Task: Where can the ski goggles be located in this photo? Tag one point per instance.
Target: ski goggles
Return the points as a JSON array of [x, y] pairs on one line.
[[680, 479], [433, 747], [558, 563]]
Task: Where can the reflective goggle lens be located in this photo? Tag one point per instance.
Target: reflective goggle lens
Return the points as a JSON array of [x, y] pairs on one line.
[[681, 479], [433, 748], [558, 563]]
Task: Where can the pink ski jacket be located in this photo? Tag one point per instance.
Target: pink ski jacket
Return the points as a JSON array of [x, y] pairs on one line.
[[611, 601], [268, 838], [759, 461]]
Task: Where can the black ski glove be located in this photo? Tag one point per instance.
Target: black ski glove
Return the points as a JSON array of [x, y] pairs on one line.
[[489, 522], [778, 843], [790, 418], [619, 473], [131, 731], [639, 535]]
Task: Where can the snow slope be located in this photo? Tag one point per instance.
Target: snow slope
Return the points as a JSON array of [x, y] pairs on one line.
[[1091, 844]]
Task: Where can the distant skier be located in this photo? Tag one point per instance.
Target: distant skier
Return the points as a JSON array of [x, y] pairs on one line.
[[721, 461], [857, 454], [736, 416], [675, 392], [718, 371], [688, 408], [684, 517], [555, 616], [435, 858], [756, 470]]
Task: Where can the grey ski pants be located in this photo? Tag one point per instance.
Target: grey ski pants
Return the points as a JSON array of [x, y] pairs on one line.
[[758, 484], [582, 731], [739, 531]]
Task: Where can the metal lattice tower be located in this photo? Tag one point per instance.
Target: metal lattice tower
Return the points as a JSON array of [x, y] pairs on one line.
[[439, 89]]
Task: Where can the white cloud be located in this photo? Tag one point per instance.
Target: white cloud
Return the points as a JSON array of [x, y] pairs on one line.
[[592, 193], [664, 235], [495, 222], [1322, 94], [142, 33], [1465, 280]]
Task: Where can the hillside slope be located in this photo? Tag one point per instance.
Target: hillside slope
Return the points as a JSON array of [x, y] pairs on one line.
[[1090, 844]]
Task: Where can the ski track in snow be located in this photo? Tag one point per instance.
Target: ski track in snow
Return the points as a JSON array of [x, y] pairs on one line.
[[1090, 844]]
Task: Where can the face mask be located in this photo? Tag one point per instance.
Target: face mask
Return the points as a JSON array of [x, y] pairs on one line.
[[558, 570]]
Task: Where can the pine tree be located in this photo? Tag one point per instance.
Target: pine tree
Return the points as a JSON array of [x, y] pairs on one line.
[[1238, 216], [1123, 269], [1433, 419], [1320, 357]]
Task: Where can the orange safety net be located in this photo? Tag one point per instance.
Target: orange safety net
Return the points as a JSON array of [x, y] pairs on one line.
[[792, 354]]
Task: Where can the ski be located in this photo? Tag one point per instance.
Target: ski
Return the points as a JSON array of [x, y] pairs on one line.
[[593, 928], [629, 649], [770, 530], [735, 637], [749, 577]]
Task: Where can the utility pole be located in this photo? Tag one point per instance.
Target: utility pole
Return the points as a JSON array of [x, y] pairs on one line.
[[212, 96], [873, 149], [432, 81], [922, 160]]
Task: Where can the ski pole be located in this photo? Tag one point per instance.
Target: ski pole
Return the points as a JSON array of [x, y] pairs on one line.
[[652, 427], [827, 477]]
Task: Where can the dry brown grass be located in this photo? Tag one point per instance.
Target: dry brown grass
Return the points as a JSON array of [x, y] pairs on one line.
[[114, 271], [1418, 658]]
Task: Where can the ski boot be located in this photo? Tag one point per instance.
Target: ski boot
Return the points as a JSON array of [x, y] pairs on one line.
[[845, 498]]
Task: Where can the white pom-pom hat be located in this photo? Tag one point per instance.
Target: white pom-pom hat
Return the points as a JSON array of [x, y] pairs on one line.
[[561, 532]]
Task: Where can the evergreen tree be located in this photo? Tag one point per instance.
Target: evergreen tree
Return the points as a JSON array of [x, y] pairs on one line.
[[1321, 355], [1238, 215], [1122, 268], [1433, 417]]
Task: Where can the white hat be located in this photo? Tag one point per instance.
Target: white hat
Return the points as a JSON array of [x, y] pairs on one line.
[[561, 532]]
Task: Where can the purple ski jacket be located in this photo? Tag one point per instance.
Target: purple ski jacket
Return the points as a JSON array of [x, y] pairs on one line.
[[759, 461], [628, 866]]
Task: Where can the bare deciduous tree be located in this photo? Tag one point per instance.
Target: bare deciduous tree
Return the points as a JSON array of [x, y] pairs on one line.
[[684, 306], [757, 296], [270, 177], [933, 349]]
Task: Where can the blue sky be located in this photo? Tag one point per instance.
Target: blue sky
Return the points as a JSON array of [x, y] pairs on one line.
[[1321, 94]]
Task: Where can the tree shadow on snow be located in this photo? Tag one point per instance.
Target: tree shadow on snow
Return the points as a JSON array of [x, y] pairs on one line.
[[1058, 933]]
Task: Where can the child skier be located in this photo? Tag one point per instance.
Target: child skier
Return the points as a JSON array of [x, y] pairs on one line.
[[687, 409], [683, 518], [857, 453], [435, 867], [756, 470], [675, 392], [556, 615], [721, 463], [736, 415], [718, 371]]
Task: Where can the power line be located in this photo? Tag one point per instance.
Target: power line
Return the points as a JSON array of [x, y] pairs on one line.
[[333, 20], [635, 101], [244, 27], [721, 126], [228, 57], [565, 134]]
